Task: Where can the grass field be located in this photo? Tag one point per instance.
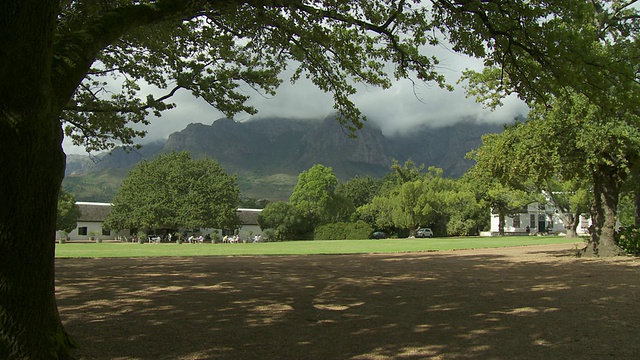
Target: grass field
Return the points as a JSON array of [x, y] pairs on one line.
[[113, 249]]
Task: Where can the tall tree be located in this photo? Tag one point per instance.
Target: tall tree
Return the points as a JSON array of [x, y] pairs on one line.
[[497, 178], [586, 80], [55, 57], [578, 142], [596, 146]]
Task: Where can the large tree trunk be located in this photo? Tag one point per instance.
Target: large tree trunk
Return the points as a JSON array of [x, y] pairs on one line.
[[571, 225], [636, 213], [31, 171], [606, 193], [501, 221]]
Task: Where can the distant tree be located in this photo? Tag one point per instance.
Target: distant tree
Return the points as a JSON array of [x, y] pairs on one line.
[[407, 172], [173, 191], [286, 221], [571, 199], [314, 194], [68, 212], [407, 211], [467, 212], [247, 202], [451, 206], [448, 206], [378, 213], [502, 199], [359, 190], [339, 209]]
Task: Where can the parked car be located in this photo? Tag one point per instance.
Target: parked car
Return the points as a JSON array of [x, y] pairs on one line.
[[424, 233], [378, 235]]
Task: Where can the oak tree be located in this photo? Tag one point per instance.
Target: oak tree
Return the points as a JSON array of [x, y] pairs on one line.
[[174, 191]]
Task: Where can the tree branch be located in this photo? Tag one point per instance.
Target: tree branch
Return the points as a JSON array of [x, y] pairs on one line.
[[150, 104]]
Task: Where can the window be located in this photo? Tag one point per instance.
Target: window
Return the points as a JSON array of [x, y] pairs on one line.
[[106, 232], [82, 230], [516, 221], [532, 221]]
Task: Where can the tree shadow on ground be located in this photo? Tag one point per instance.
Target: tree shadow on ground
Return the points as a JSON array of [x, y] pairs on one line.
[[456, 305]]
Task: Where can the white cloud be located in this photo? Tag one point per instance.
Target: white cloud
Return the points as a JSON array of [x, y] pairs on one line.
[[397, 109]]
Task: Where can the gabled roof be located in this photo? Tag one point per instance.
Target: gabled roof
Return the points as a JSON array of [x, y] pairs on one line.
[[93, 212], [248, 216], [97, 212]]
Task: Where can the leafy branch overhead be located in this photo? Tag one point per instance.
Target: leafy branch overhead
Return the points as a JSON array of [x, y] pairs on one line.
[[124, 60], [145, 53]]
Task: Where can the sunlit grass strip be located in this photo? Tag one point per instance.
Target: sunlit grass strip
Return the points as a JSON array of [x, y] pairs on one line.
[[98, 250]]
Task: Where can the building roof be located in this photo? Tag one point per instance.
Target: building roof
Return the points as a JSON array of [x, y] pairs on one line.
[[248, 216], [97, 212], [94, 212]]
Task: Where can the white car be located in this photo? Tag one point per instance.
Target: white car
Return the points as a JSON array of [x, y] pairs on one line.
[[424, 233]]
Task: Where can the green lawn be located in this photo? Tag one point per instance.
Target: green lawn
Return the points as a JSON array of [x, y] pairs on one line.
[[95, 250]]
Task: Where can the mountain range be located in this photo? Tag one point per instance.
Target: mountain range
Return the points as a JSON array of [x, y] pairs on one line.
[[268, 154]]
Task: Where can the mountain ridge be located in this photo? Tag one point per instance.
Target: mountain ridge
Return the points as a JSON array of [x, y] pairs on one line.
[[267, 154]]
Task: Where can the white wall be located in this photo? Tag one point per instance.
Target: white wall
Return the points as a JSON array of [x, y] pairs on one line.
[[92, 226], [553, 223]]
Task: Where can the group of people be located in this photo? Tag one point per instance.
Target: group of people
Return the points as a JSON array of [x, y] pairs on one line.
[[199, 239], [195, 240], [234, 239], [231, 239]]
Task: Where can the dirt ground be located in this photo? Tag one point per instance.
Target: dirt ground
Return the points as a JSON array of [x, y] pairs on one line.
[[535, 302]]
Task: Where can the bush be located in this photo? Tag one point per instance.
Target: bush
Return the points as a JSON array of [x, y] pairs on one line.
[[342, 231], [628, 239]]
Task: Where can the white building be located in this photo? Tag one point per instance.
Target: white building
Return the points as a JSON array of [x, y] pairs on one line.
[[93, 214], [539, 218]]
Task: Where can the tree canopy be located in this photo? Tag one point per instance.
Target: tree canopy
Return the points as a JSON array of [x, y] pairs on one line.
[[217, 52], [173, 191]]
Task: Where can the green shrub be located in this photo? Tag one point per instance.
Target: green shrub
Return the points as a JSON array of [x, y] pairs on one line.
[[343, 231], [628, 239]]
